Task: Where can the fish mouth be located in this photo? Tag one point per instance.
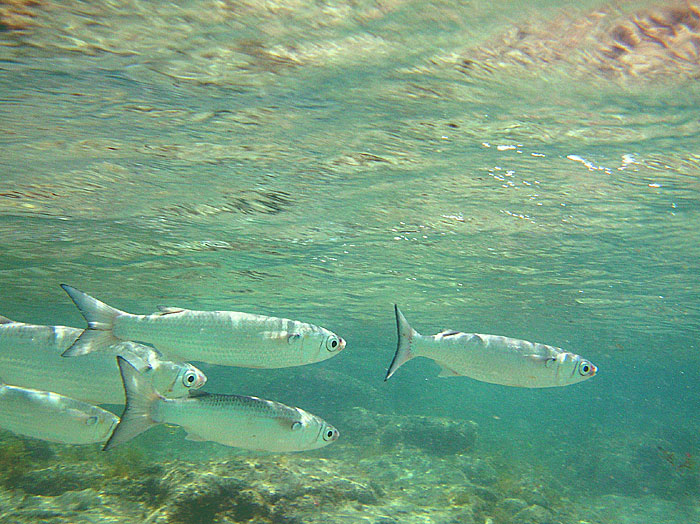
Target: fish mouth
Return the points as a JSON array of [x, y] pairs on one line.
[[341, 343]]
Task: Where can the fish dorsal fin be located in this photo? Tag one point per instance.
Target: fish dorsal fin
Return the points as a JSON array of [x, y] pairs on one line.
[[194, 437], [168, 310], [447, 372], [5, 320]]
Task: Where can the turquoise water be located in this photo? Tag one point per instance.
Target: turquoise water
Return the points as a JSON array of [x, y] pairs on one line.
[[499, 169]]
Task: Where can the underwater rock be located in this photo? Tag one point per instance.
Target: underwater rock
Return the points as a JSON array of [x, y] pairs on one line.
[[533, 515], [74, 507], [481, 472], [57, 479], [210, 496], [637, 467], [460, 516], [440, 436], [395, 483], [144, 487], [18, 15], [658, 42], [511, 506], [198, 497], [78, 500], [249, 489], [433, 435], [532, 492], [488, 495]]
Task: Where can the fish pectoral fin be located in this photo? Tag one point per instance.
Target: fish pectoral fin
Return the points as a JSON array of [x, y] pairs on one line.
[[279, 335], [476, 339], [168, 310], [194, 437], [540, 359], [447, 372]]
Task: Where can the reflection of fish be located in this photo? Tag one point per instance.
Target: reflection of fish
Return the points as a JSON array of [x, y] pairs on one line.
[[50, 416], [30, 356], [227, 338], [233, 420], [491, 358]]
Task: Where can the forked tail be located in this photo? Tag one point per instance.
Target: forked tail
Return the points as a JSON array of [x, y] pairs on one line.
[[140, 400], [405, 335], [100, 318]]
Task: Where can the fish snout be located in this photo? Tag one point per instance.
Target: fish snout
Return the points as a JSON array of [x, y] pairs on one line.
[[341, 343]]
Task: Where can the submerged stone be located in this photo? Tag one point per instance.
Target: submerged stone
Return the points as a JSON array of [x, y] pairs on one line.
[[58, 479], [440, 436], [433, 435], [511, 506], [534, 515]]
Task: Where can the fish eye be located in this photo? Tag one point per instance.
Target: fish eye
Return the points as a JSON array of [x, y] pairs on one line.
[[91, 421], [585, 368], [330, 434], [332, 343], [189, 379], [296, 425]]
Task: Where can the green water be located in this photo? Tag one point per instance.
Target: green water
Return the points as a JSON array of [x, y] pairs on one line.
[[477, 164]]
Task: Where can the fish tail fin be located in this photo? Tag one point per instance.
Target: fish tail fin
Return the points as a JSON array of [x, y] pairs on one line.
[[141, 398], [403, 348], [100, 318]]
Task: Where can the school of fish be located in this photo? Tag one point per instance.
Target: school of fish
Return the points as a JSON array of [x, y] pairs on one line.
[[138, 361]]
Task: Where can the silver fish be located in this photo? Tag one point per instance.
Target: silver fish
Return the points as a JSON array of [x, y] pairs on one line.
[[30, 356], [50, 416], [232, 420], [491, 358], [226, 338]]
